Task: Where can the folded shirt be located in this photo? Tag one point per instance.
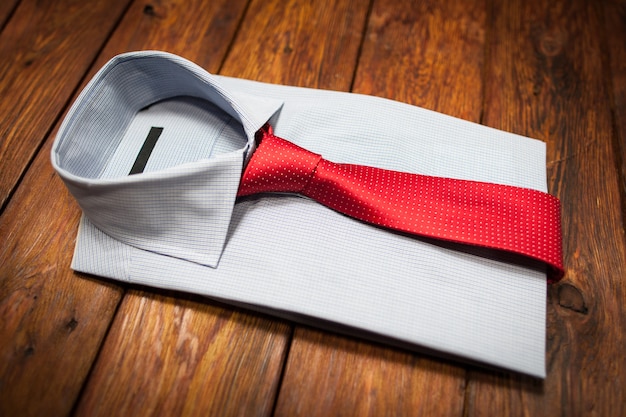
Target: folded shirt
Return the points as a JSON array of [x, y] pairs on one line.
[[178, 224]]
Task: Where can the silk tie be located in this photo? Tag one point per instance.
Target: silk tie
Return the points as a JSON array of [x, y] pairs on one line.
[[512, 219]]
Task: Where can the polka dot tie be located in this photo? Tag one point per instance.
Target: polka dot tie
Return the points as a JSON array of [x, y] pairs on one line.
[[513, 219]]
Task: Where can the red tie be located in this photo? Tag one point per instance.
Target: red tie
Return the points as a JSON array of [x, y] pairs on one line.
[[502, 217]]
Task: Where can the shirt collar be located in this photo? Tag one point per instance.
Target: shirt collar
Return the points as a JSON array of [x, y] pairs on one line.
[[182, 211]]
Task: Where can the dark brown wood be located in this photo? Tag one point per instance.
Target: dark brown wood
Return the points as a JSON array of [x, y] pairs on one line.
[[333, 375], [45, 50], [548, 82], [53, 321], [615, 37], [51, 330], [6, 8]]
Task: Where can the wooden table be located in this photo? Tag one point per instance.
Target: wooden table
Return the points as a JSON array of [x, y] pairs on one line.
[[76, 344]]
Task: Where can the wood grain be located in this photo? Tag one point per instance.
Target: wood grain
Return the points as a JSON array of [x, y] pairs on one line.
[[547, 82], [332, 375], [46, 48], [615, 35], [429, 54], [296, 42], [53, 321], [52, 325], [198, 30], [171, 356]]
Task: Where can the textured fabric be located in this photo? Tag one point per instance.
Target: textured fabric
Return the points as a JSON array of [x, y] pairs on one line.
[[178, 224], [518, 220], [180, 209]]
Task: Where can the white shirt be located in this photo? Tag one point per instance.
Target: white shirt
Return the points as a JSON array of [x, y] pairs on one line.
[[178, 225]]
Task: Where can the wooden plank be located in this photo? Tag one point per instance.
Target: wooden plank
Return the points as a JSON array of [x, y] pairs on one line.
[[547, 81], [198, 30], [296, 42], [53, 321], [45, 50], [428, 54], [177, 356], [331, 375], [615, 17]]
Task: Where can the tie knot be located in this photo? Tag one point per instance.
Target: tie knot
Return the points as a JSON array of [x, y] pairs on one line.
[[277, 165]]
